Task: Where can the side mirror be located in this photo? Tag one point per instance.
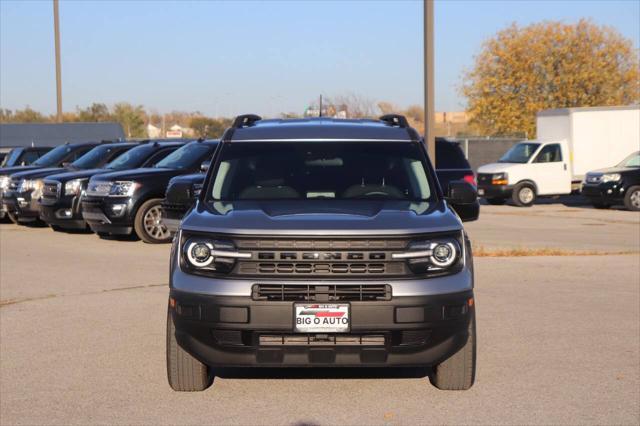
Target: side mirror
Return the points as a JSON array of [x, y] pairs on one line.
[[463, 198], [66, 164], [205, 166]]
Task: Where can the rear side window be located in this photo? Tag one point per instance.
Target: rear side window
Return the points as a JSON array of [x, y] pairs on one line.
[[155, 158], [450, 156]]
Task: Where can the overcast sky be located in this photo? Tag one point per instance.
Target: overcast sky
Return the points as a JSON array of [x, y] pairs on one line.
[[225, 58]]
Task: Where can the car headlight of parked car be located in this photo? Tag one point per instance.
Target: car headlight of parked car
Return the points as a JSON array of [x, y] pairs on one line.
[[611, 177], [499, 179], [207, 255], [74, 187], [123, 188], [4, 182], [28, 185], [438, 255]]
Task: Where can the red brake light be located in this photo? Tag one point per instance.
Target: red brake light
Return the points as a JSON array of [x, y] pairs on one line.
[[471, 179]]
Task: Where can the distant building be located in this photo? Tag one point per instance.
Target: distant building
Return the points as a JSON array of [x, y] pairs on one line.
[[177, 131], [53, 134], [453, 117], [153, 132]]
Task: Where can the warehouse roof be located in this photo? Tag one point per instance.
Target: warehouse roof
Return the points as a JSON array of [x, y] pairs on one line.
[[52, 134]]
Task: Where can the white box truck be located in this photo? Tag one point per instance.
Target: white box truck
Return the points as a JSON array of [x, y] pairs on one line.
[[570, 142]]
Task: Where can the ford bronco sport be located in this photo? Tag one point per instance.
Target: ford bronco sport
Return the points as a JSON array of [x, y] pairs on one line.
[[322, 242]]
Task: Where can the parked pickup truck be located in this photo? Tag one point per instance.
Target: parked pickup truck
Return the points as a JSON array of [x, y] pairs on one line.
[[323, 243], [570, 142]]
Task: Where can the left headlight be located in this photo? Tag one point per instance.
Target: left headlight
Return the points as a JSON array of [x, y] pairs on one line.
[[433, 256], [202, 255], [611, 177], [4, 182], [123, 188], [74, 187], [27, 185]]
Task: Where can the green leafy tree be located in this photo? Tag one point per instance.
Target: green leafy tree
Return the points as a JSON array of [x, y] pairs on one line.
[[523, 70], [132, 119], [97, 112]]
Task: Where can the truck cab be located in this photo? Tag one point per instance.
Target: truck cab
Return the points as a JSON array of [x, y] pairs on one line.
[[529, 169]]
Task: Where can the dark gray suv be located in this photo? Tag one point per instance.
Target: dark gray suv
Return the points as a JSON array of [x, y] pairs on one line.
[[322, 242]]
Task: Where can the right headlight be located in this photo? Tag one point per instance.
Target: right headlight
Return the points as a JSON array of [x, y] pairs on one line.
[[611, 177], [202, 255], [73, 187], [123, 188]]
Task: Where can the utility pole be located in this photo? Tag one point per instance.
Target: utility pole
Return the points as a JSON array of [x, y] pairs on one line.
[[320, 109], [56, 27], [429, 138]]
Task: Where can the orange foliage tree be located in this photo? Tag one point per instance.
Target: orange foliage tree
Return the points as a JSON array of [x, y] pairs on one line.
[[521, 71]]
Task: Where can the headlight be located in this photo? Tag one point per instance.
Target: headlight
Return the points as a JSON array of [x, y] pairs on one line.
[[202, 255], [27, 185], [123, 188], [499, 179], [611, 177], [4, 182], [73, 187], [433, 256]]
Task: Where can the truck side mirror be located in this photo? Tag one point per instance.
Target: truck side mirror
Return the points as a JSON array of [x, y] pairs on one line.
[[463, 198], [205, 166]]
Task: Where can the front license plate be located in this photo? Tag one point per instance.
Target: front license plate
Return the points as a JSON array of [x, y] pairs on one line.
[[321, 318], [480, 191]]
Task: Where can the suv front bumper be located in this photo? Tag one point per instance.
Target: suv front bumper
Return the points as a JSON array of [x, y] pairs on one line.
[[64, 212], [227, 331], [111, 215], [21, 205]]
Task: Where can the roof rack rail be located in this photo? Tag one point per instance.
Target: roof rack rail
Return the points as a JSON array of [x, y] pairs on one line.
[[245, 120], [395, 120]]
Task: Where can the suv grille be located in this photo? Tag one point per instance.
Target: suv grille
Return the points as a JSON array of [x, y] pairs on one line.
[[485, 178], [51, 190], [322, 293], [349, 257], [99, 188]]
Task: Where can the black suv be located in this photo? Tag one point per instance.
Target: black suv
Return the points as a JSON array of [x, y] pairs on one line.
[[25, 187], [615, 185], [23, 156], [321, 242], [124, 202], [55, 158], [451, 165], [60, 205]]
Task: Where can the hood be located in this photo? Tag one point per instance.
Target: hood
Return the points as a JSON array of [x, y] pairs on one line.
[[499, 167], [194, 178], [37, 173], [6, 171], [322, 217], [76, 174], [615, 170], [144, 173]]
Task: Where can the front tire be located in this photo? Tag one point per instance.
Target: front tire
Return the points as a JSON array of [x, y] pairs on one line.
[[599, 205], [148, 223], [184, 372], [524, 195], [458, 372], [632, 199], [13, 218]]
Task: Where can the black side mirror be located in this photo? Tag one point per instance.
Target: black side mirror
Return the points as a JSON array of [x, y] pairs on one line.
[[205, 166], [66, 164], [463, 198]]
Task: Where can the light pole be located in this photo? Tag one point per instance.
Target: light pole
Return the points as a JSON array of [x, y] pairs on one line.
[[429, 138], [56, 27]]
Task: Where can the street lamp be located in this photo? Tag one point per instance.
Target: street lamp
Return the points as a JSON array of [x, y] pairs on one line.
[[56, 28]]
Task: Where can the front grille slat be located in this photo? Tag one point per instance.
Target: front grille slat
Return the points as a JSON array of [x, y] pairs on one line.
[[332, 292]]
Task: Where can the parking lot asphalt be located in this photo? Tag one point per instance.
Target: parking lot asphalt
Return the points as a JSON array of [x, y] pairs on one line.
[[82, 337]]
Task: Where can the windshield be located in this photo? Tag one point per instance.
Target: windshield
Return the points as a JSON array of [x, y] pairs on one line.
[[11, 158], [53, 157], [321, 170], [132, 159], [631, 161], [94, 158], [519, 153], [187, 157]]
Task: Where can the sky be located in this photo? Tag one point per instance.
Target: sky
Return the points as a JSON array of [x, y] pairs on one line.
[[231, 57]]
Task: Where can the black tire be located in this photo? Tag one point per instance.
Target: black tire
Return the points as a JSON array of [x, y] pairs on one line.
[[599, 205], [56, 228], [458, 372], [496, 201], [524, 195], [184, 372], [148, 223], [632, 199]]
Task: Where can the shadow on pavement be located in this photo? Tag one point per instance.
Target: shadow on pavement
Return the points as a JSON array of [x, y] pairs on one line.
[[323, 373]]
